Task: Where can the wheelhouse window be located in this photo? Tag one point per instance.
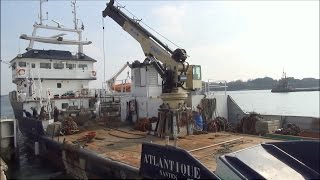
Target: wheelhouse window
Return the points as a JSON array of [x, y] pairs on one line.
[[70, 66], [83, 66], [58, 65], [58, 85], [45, 65], [22, 64], [33, 65]]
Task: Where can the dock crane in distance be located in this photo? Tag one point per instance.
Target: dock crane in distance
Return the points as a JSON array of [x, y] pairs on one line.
[[111, 82], [178, 77]]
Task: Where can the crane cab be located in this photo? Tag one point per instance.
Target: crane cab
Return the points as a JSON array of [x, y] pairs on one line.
[[194, 77]]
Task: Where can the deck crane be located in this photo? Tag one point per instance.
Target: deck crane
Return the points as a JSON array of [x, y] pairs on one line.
[[174, 70], [111, 82], [178, 77]]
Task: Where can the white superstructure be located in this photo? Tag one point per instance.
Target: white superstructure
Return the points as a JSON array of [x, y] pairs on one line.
[[54, 77]]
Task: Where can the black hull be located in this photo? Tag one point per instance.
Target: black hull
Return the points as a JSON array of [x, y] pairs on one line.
[[52, 150], [29, 127]]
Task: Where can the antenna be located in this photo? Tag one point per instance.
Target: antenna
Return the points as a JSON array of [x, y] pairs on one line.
[[58, 23], [75, 20], [40, 16]]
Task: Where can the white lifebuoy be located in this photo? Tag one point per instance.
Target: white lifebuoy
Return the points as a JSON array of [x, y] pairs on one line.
[[94, 73], [21, 71]]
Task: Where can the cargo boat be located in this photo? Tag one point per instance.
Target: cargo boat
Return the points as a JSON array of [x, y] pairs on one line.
[[283, 86], [105, 145]]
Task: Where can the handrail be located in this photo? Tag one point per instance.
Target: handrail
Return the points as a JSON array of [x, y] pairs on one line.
[[211, 83]]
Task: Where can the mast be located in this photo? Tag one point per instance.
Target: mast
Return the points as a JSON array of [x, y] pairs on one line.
[[75, 21], [57, 39], [35, 29], [40, 15], [41, 12]]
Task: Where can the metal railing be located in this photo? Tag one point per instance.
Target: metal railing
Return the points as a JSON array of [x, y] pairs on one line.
[[211, 85]]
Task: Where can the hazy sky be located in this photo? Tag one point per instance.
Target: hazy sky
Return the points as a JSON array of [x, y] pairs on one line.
[[230, 39]]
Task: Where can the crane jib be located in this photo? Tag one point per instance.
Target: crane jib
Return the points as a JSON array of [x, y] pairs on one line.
[[120, 18], [174, 69]]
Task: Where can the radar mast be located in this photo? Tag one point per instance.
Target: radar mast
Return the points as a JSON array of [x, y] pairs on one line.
[[40, 14], [75, 20]]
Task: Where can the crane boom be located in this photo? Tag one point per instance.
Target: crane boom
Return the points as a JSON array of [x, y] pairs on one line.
[[126, 22], [173, 68]]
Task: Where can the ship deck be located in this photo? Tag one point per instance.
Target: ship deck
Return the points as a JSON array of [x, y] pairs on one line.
[[124, 144]]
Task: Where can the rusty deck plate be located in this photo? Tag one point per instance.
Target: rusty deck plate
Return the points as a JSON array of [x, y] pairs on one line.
[[124, 145]]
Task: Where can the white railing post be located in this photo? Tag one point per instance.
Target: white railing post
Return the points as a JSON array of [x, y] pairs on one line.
[[40, 89]]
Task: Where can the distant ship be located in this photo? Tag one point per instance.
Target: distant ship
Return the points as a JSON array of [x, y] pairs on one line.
[[284, 86]]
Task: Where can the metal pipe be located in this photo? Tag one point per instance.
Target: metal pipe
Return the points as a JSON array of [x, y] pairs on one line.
[[205, 147], [36, 148], [56, 28], [15, 133]]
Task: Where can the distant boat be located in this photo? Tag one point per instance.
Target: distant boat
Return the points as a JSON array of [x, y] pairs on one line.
[[284, 86]]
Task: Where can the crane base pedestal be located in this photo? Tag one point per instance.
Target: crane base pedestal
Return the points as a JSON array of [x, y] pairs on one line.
[[174, 100], [174, 122]]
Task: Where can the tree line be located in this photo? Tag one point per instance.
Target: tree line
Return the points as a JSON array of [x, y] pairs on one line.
[[269, 83]]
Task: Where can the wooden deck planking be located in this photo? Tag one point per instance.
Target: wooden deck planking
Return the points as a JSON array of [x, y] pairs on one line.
[[128, 151]]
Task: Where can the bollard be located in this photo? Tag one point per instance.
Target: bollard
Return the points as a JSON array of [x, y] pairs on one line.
[[36, 148], [175, 139], [167, 140]]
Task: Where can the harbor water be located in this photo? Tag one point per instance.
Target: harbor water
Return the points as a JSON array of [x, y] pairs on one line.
[[286, 104], [28, 166]]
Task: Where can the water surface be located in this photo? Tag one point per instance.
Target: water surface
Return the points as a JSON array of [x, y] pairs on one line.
[[292, 103]]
